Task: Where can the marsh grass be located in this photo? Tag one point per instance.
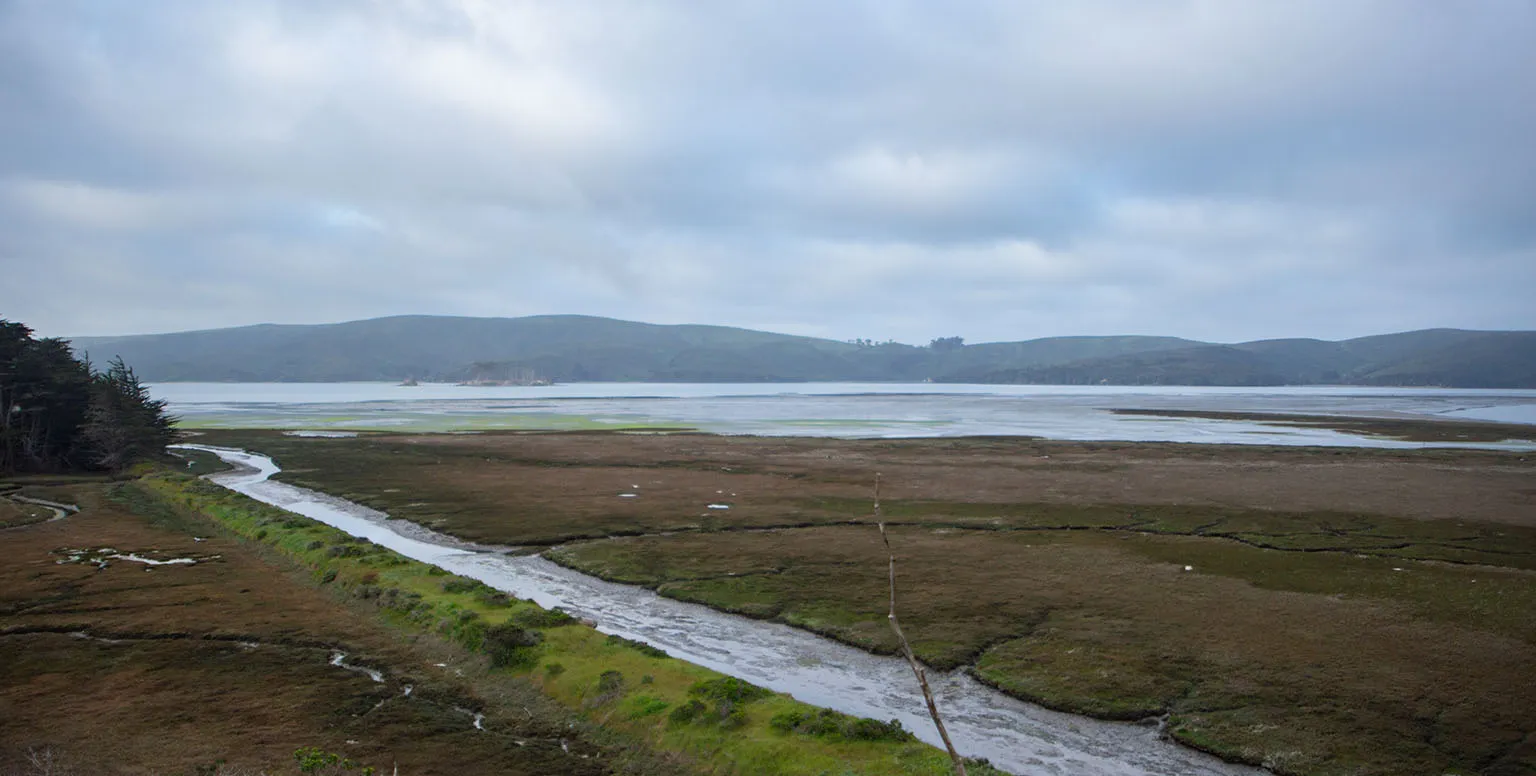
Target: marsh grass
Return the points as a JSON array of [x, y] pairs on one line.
[[572, 663], [1394, 639], [1310, 662]]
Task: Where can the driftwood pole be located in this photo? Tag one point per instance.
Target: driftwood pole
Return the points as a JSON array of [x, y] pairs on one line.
[[906, 649]]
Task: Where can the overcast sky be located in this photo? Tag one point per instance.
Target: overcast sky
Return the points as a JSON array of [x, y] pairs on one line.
[[1005, 170]]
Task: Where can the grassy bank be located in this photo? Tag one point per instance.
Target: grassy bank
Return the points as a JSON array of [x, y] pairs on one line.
[[721, 724]]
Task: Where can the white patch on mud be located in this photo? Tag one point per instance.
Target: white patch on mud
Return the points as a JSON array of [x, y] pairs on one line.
[[88, 637], [339, 659], [477, 719], [719, 506], [304, 432], [152, 562], [100, 557]]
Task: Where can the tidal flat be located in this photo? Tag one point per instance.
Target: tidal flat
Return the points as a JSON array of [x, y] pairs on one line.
[[1313, 610]]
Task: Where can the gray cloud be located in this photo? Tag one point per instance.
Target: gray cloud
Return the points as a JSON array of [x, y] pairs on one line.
[[999, 170]]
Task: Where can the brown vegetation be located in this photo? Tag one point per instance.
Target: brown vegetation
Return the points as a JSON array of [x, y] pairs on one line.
[[1316, 610], [135, 669]]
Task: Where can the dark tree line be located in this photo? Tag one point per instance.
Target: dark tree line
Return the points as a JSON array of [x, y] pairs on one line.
[[58, 414]]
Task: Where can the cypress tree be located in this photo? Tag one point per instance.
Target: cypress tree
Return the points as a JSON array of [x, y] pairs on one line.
[[56, 415]]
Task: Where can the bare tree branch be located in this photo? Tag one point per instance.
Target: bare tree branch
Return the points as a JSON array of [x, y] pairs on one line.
[[906, 648]]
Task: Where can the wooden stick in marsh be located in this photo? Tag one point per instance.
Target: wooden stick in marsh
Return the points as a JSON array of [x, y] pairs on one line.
[[906, 649]]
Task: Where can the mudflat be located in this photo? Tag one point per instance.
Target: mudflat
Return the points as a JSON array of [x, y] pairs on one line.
[[1313, 610]]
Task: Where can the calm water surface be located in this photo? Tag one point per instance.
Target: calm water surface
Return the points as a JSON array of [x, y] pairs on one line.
[[837, 409]]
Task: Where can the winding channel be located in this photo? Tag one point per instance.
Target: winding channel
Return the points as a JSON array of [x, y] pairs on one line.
[[60, 511], [1014, 735]]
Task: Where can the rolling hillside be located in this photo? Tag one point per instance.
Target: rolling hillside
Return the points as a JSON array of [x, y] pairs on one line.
[[570, 348]]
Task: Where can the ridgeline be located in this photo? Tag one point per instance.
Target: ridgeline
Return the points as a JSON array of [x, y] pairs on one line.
[[573, 348]]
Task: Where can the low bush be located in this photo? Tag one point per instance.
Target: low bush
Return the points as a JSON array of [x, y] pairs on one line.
[[728, 689], [492, 598], [692, 710], [720, 702], [639, 646], [826, 723], [460, 585], [511, 646], [610, 681], [543, 618], [610, 687], [315, 760]]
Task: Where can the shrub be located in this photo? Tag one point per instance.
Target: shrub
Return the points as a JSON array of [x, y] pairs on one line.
[[726, 698], [610, 681], [399, 600], [328, 577], [315, 760], [492, 598], [688, 712], [825, 723], [460, 585], [610, 687], [314, 545], [639, 646], [728, 689], [554, 669], [511, 646], [542, 618]]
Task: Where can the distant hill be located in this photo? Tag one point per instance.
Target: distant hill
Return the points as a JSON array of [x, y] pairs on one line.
[[1433, 357], [1495, 360], [1201, 365], [573, 348]]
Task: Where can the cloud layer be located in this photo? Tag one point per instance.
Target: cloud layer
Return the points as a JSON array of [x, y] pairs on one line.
[[1213, 169]]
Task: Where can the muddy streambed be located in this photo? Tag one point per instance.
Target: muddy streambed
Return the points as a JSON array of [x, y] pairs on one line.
[[1014, 735]]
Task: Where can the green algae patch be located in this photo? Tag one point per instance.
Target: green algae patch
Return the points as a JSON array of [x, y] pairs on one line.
[[722, 723]]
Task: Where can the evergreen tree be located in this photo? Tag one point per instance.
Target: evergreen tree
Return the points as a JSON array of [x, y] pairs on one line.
[[123, 423], [15, 338], [55, 415]]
